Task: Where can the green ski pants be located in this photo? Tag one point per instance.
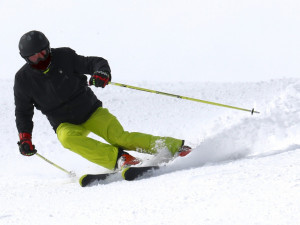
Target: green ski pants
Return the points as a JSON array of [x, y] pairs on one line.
[[106, 125]]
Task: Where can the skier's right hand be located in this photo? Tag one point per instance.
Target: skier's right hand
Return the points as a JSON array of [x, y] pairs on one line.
[[25, 145], [100, 79]]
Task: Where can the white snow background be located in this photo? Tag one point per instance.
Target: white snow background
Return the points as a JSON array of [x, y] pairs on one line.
[[244, 169]]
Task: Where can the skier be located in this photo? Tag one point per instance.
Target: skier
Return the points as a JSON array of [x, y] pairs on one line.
[[53, 81]]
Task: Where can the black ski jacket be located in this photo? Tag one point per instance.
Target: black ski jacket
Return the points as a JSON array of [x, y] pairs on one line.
[[62, 94]]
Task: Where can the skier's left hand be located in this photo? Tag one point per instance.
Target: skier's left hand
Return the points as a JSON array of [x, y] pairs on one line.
[[100, 79]]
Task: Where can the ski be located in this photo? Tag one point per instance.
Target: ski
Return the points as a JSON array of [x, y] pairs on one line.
[[129, 174], [89, 179], [132, 173]]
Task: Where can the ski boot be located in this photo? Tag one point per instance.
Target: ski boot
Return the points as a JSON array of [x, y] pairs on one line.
[[126, 160], [184, 150]]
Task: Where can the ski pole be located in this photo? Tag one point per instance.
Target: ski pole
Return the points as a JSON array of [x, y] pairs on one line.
[[70, 173], [183, 97]]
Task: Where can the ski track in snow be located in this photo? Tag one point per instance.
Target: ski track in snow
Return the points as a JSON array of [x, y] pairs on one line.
[[244, 168]]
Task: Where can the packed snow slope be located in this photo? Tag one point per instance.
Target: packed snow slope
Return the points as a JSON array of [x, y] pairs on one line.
[[244, 168]]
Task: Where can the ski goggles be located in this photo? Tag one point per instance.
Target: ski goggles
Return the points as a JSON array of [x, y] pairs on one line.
[[40, 56]]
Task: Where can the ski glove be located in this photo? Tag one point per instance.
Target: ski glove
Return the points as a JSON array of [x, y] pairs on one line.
[[100, 79], [25, 145]]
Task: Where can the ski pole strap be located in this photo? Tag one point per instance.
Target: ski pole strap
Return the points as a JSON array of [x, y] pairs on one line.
[[252, 111], [57, 166]]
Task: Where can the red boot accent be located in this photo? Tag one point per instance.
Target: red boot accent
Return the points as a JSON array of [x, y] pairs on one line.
[[184, 150], [127, 160]]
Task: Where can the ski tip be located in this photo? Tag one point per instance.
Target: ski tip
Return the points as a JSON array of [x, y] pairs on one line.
[[132, 173], [124, 173], [82, 181]]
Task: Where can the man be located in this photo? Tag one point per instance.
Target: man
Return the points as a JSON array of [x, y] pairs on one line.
[[53, 81]]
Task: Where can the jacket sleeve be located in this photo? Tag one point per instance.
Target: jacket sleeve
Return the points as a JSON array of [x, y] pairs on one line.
[[24, 108], [89, 64]]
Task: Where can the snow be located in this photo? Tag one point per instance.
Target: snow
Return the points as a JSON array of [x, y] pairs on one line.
[[244, 168]]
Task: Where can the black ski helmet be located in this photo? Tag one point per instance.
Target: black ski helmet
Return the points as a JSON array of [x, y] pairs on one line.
[[32, 42]]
